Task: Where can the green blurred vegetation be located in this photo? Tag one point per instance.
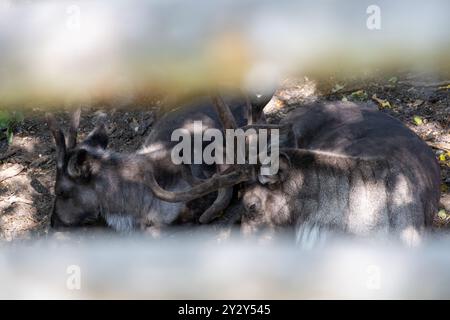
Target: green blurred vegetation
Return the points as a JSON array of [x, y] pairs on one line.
[[8, 122]]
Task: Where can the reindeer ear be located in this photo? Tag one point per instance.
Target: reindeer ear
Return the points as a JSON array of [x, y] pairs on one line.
[[73, 129], [284, 165], [98, 138], [81, 164], [58, 135]]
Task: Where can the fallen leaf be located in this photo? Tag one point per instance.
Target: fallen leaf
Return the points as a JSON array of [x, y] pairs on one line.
[[134, 125], [417, 103], [418, 120], [360, 95], [442, 214], [381, 102], [393, 80], [337, 88]]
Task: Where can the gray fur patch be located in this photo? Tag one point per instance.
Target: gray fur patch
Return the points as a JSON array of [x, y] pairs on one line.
[[120, 223], [309, 236]]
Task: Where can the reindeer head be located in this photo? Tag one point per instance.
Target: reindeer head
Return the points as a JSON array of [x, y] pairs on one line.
[[76, 202], [265, 199]]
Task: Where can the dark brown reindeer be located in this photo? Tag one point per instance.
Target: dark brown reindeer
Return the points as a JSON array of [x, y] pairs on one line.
[[145, 188], [348, 169]]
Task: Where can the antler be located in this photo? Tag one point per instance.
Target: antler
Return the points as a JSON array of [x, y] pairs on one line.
[[225, 114], [228, 122], [209, 185], [224, 195], [222, 182], [219, 182]]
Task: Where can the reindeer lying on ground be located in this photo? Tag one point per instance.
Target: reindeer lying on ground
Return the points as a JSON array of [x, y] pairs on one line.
[[133, 191], [350, 169]]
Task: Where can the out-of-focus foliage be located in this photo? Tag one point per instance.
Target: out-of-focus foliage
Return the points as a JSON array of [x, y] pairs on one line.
[[60, 52], [8, 120]]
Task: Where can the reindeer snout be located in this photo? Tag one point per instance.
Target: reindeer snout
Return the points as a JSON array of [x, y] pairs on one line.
[[55, 222]]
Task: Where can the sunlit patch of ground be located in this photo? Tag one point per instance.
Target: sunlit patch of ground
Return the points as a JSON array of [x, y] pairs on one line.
[[25, 185]]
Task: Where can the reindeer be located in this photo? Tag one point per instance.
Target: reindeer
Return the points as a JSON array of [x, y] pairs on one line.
[[133, 191], [348, 168]]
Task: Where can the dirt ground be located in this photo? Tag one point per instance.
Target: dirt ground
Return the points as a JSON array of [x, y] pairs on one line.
[[27, 166]]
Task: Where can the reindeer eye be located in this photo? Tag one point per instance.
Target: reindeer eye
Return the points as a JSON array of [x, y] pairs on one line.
[[273, 186]]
